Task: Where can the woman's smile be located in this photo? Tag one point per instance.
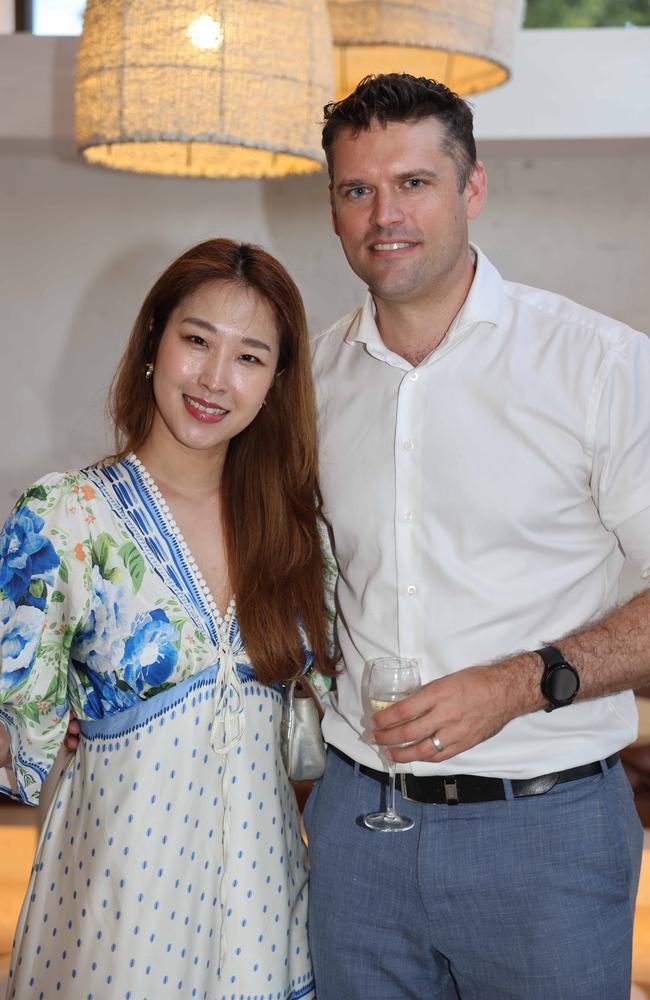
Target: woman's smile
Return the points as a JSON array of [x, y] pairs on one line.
[[202, 410]]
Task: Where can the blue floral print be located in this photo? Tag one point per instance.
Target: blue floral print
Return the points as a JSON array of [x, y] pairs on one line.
[[120, 656], [99, 643], [106, 696], [20, 633], [150, 652], [25, 554]]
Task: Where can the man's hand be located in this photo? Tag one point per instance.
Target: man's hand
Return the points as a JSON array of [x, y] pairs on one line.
[[473, 704], [460, 710], [71, 738]]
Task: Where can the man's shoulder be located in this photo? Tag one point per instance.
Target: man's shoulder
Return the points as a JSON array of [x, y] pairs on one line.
[[329, 340], [559, 314]]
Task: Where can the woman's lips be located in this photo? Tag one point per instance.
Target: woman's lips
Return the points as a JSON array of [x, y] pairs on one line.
[[203, 411]]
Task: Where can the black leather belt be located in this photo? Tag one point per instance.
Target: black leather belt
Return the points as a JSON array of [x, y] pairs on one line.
[[451, 789]]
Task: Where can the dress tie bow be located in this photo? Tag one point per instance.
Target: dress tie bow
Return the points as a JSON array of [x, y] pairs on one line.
[[229, 719]]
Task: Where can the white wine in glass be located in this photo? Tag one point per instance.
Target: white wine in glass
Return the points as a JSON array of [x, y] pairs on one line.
[[390, 679]]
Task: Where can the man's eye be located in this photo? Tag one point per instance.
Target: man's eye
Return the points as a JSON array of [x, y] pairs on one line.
[[414, 183], [357, 192]]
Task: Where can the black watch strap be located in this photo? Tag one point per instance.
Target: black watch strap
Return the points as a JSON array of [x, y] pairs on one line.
[[560, 680]]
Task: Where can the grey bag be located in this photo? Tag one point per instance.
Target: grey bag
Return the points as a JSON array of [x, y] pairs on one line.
[[301, 740]]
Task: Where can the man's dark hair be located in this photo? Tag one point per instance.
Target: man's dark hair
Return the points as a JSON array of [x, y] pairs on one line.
[[400, 97]]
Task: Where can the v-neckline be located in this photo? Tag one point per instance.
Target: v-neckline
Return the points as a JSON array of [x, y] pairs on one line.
[[133, 501], [221, 621]]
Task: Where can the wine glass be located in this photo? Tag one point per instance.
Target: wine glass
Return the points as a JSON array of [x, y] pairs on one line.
[[390, 679]]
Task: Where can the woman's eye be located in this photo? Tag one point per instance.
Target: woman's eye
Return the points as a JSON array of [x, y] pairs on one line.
[[193, 338], [250, 358]]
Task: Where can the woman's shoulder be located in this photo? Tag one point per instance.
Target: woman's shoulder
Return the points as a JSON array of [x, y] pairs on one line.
[[60, 482], [71, 502], [57, 490]]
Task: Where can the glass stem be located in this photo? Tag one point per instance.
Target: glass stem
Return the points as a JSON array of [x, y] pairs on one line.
[[391, 789]]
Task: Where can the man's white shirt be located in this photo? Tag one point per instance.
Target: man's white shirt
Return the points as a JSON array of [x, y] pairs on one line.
[[480, 504]]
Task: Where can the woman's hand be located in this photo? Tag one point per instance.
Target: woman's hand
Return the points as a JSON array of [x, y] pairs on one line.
[[71, 738], [5, 747]]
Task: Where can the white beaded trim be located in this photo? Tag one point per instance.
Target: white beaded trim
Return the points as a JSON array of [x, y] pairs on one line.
[[222, 622]]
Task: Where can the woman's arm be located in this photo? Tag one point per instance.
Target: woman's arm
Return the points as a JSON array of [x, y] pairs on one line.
[[43, 570]]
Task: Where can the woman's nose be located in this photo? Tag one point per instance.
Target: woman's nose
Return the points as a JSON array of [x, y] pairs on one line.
[[215, 374]]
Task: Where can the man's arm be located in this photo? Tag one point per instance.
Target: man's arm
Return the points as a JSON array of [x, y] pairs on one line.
[[471, 705]]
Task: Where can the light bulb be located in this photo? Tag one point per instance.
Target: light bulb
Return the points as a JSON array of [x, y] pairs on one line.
[[205, 33]]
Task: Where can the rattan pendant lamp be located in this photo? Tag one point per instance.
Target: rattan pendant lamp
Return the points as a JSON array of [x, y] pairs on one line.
[[196, 88], [466, 44]]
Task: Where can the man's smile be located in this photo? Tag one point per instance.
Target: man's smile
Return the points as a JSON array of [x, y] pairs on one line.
[[392, 246]]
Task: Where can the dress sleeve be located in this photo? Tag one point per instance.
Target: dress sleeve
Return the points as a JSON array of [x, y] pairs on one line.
[[42, 599]]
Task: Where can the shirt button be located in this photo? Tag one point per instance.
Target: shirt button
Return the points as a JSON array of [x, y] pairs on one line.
[[411, 590], [414, 376], [409, 446], [409, 517]]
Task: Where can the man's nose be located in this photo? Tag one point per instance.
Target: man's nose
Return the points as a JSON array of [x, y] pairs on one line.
[[387, 209]]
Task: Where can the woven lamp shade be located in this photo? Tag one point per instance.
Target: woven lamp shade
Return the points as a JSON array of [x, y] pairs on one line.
[[195, 88], [465, 44]]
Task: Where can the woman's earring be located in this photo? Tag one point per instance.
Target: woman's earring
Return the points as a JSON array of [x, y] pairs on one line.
[[148, 371]]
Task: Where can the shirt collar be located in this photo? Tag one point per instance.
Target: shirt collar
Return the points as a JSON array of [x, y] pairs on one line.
[[484, 304]]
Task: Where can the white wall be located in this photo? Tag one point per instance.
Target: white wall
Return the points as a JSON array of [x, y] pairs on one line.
[[7, 16], [79, 246]]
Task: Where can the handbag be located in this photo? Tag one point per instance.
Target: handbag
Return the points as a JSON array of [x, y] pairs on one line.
[[301, 739]]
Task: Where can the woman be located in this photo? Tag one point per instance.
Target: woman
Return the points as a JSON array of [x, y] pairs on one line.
[[170, 861]]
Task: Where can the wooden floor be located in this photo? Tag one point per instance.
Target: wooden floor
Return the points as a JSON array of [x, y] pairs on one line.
[[641, 943], [18, 837]]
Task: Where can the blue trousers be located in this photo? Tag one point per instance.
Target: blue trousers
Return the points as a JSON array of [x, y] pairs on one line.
[[523, 899]]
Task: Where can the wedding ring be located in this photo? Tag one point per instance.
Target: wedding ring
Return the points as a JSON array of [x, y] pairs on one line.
[[437, 744]]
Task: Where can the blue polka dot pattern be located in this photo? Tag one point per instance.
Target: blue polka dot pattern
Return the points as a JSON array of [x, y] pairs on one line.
[[179, 873]]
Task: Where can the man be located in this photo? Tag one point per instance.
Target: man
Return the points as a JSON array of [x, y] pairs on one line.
[[485, 461]]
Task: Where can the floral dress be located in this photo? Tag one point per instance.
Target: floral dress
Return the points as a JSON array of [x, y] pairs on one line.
[[170, 862]]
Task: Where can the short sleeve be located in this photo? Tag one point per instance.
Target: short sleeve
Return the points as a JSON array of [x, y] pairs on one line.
[[42, 569], [621, 442]]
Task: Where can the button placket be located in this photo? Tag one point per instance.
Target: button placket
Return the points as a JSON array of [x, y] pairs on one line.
[[406, 479]]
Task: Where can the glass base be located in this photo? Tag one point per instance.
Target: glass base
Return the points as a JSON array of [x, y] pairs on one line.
[[388, 822]]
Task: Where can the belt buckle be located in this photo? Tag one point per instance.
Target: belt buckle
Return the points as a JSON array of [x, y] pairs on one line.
[[451, 790], [450, 786]]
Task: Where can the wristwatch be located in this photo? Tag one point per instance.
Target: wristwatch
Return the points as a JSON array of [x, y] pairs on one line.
[[560, 681]]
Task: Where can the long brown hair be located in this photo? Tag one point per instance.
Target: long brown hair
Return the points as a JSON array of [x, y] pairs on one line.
[[269, 488]]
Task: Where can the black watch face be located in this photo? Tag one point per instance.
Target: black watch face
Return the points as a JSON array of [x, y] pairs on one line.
[[562, 684]]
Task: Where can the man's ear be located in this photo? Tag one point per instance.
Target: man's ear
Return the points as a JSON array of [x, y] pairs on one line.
[[476, 191], [333, 213]]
